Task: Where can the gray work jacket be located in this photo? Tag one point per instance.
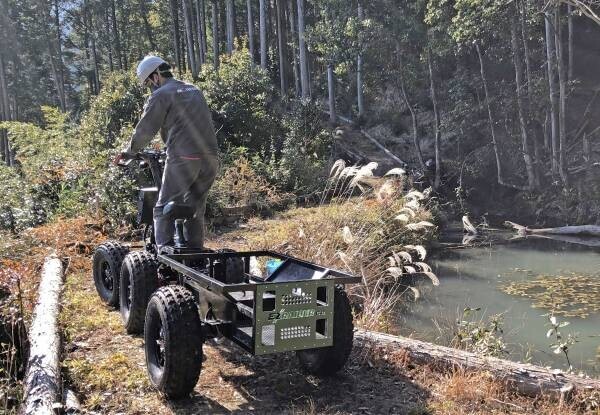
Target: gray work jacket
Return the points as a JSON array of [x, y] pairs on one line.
[[180, 111]]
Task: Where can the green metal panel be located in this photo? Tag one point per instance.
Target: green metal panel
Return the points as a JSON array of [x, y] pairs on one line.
[[289, 317]]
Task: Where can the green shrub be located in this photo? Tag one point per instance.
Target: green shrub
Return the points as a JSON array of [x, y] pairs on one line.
[[239, 186], [17, 207], [241, 98], [299, 164]]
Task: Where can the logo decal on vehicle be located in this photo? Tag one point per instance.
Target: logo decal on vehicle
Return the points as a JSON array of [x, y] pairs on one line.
[[289, 315]]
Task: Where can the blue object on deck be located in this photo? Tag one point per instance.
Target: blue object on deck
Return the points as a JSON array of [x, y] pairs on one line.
[[272, 265]]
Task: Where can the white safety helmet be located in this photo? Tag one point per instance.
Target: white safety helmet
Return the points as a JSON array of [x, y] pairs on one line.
[[146, 66]]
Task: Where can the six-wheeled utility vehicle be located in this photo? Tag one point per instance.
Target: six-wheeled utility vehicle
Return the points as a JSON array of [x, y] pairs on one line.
[[263, 301]]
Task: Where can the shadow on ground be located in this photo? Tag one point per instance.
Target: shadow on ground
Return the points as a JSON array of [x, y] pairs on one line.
[[234, 382]]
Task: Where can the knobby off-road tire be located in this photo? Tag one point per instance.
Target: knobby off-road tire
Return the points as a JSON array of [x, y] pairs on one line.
[[139, 279], [328, 360], [106, 269], [173, 341]]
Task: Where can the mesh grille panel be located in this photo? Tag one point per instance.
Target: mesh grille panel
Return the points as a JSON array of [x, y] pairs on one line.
[[295, 332]]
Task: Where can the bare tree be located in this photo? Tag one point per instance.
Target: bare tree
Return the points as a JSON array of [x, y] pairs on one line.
[[303, 55], [520, 105], [175, 30], [562, 97], [116, 36], [230, 25], [551, 65], [60, 62], [411, 108], [201, 29], [492, 125], [359, 80], [5, 111], [281, 48], [570, 28], [147, 28], [250, 29], [295, 70], [189, 32], [263, 33], [436, 115], [215, 33]]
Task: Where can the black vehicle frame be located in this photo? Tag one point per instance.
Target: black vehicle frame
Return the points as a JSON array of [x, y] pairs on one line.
[[181, 296]]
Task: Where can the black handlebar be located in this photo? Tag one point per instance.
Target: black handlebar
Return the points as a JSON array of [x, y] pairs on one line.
[[144, 155]]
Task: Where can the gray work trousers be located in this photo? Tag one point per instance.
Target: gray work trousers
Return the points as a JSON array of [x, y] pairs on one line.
[[186, 180]]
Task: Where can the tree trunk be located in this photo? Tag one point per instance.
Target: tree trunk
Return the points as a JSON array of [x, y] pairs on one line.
[[115, 28], [562, 108], [331, 93], [250, 29], [43, 385], [527, 379], [61, 70], [492, 127], [436, 113], [109, 46], [525, 35], [304, 83], [230, 24], [175, 31], [551, 65], [189, 33], [281, 48], [292, 19], [96, 70], [359, 77], [200, 22], [6, 116], [215, 33], [124, 34], [147, 27], [570, 28], [582, 230], [413, 114], [520, 105], [263, 33], [182, 36]]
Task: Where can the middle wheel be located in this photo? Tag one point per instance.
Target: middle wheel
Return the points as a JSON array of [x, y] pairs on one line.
[[139, 279]]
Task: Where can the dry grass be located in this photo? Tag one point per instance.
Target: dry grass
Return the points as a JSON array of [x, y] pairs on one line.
[[368, 226], [107, 369]]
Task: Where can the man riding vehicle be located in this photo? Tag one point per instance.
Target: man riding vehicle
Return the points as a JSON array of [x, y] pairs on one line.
[[180, 112]]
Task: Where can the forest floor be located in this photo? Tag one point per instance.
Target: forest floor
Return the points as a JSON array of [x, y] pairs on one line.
[[106, 367]]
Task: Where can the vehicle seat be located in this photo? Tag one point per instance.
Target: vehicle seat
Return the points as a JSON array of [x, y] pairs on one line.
[[178, 211]]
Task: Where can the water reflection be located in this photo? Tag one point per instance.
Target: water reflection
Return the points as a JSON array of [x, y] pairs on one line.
[[495, 278]]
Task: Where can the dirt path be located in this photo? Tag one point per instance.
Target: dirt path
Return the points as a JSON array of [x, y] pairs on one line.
[[107, 368]]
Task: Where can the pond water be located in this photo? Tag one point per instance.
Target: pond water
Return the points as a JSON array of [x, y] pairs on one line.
[[522, 280]]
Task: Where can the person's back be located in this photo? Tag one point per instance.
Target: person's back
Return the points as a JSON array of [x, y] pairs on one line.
[[184, 117]]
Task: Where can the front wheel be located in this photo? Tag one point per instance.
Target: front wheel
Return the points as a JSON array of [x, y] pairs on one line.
[[139, 279], [173, 341], [106, 268], [327, 361]]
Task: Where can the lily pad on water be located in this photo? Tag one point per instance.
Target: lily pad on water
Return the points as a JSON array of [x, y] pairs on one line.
[[569, 296]]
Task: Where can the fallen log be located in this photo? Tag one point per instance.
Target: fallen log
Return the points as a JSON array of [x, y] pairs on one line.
[[42, 379], [583, 230], [527, 379]]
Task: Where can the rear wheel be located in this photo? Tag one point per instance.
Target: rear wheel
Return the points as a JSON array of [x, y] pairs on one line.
[[327, 361], [106, 268], [173, 341], [138, 280]]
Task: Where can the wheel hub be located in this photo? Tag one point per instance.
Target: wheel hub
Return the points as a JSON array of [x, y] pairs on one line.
[[107, 277]]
